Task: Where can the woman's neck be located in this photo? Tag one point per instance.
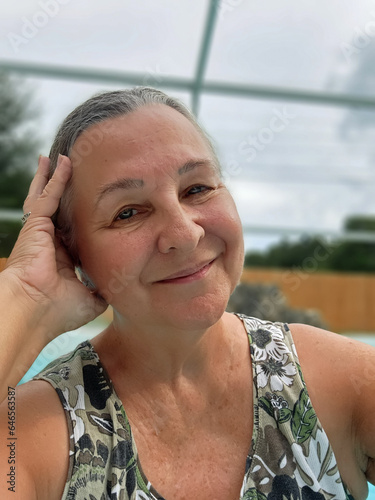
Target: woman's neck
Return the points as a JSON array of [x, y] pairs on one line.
[[167, 356]]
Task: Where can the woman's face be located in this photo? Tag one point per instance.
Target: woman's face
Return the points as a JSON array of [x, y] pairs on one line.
[[158, 234]]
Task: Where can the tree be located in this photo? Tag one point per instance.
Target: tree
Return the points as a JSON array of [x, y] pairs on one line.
[[288, 254], [348, 256], [18, 151], [353, 255]]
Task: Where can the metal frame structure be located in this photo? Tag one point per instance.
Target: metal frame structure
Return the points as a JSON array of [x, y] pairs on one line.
[[196, 87]]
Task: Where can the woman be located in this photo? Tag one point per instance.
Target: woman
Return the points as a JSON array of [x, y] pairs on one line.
[[169, 401]]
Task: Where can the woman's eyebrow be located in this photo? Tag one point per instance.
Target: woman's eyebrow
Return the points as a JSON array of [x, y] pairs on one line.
[[191, 164], [128, 183], [117, 184]]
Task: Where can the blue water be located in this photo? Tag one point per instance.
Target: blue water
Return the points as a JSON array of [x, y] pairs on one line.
[[67, 342], [367, 339], [62, 345]]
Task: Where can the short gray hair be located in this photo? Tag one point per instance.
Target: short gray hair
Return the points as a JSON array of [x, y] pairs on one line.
[[100, 108]]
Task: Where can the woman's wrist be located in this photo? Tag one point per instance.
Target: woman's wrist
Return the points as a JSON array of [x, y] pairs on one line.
[[24, 330], [22, 313]]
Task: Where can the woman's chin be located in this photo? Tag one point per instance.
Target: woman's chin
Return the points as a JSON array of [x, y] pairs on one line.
[[200, 314]]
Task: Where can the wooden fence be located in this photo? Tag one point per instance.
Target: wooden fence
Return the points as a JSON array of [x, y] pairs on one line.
[[346, 301]]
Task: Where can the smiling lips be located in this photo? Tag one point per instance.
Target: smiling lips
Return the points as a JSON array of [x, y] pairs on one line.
[[190, 274]]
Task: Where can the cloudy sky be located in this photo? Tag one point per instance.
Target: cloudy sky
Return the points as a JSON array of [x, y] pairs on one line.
[[289, 165]]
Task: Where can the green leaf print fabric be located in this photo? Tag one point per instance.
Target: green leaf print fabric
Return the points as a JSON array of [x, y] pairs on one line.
[[290, 456]]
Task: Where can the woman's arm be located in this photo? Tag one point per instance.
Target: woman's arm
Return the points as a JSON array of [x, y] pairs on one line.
[[340, 378], [23, 331], [40, 294]]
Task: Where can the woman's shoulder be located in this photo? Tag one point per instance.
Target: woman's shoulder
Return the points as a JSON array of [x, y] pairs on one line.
[[334, 359], [340, 377], [40, 440], [41, 432]]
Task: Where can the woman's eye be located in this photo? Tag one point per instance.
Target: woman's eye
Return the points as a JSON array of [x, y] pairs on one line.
[[127, 213], [197, 190]]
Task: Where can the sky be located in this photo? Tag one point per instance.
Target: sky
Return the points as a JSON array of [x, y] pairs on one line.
[[287, 165]]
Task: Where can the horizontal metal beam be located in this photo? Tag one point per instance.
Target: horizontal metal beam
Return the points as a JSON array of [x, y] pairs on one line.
[[186, 84], [357, 236], [91, 75], [6, 214], [289, 94]]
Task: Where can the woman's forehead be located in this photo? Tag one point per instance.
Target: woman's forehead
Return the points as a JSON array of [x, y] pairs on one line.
[[150, 142], [155, 119], [151, 131]]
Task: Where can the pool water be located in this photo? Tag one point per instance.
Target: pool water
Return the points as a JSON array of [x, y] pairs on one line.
[[62, 345], [67, 342], [367, 339]]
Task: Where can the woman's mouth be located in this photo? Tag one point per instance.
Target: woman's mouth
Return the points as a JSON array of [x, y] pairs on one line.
[[188, 275]]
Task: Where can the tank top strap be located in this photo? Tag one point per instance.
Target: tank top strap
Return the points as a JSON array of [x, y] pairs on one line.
[[291, 454], [103, 455]]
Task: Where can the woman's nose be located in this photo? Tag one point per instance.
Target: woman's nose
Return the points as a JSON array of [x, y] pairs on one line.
[[179, 231]]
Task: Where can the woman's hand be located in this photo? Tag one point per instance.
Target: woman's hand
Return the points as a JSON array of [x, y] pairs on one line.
[[39, 264]]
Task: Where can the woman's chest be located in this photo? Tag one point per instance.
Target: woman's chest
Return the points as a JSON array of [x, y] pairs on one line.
[[200, 467], [200, 459]]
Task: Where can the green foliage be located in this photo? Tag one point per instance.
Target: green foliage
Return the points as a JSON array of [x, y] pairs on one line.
[[8, 234], [303, 419], [266, 405], [254, 494], [352, 256], [286, 254], [317, 254], [18, 145], [18, 153], [284, 415], [360, 256], [359, 223]]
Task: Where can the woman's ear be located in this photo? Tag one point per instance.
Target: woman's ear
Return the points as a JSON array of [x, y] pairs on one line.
[[66, 239], [85, 279]]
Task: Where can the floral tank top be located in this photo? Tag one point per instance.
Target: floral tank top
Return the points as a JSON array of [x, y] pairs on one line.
[[290, 455]]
